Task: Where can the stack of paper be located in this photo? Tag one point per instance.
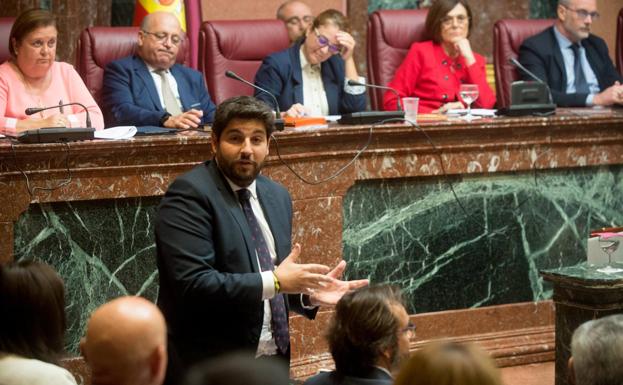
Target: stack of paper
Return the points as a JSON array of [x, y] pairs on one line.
[[119, 132]]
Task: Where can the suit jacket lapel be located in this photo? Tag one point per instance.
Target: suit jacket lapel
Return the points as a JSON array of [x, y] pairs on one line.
[[143, 72], [182, 87], [558, 59], [594, 60], [236, 211], [297, 73]]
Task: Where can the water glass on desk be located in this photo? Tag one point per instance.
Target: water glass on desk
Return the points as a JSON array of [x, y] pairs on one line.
[[410, 105]]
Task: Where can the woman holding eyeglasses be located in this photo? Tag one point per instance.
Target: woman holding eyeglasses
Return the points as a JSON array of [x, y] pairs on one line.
[[311, 77], [434, 70], [32, 78]]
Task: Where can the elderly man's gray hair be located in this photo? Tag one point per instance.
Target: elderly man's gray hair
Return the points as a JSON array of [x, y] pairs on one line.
[[597, 351]]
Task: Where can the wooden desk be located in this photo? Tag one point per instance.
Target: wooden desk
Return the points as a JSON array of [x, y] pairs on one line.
[[391, 214]]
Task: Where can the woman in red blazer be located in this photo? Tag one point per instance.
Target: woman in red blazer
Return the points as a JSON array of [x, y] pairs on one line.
[[433, 70]]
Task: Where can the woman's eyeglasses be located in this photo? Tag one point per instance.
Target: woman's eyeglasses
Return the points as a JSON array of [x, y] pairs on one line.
[[324, 42], [448, 20]]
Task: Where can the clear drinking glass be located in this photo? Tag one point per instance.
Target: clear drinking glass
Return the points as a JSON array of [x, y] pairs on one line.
[[469, 94], [609, 244]]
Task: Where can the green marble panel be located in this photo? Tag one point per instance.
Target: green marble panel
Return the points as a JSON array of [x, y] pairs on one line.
[[413, 233], [543, 9], [102, 249]]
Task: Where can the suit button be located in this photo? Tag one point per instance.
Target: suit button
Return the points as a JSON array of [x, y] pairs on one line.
[[458, 66], [445, 62], [444, 96], [445, 77]]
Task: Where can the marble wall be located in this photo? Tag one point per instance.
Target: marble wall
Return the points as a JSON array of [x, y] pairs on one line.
[[409, 232], [414, 234]]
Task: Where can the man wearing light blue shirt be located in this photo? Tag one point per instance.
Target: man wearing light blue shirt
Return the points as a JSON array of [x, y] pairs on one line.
[[572, 61]]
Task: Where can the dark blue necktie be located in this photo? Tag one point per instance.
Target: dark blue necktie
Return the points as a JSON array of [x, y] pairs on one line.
[[277, 304], [581, 85]]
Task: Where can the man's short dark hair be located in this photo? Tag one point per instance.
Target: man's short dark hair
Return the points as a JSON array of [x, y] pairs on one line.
[[243, 107], [239, 368], [363, 327]]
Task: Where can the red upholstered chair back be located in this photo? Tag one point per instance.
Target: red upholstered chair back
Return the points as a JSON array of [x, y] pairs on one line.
[[390, 34], [238, 46], [619, 42], [508, 34], [98, 46], [5, 29]]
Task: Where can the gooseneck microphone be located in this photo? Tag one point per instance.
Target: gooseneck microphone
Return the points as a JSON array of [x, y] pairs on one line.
[[279, 123], [356, 83], [31, 110], [517, 64]]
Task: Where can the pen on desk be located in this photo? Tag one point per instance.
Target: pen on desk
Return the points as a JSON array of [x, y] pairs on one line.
[[60, 106], [194, 105]]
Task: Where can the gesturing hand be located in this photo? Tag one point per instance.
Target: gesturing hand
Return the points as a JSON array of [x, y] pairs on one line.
[[297, 278], [330, 294]]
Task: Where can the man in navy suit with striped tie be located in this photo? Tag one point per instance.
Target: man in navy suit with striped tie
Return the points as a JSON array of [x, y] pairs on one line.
[[228, 271]]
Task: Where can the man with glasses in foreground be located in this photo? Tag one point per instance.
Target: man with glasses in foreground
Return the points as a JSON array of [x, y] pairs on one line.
[[572, 61], [297, 17], [149, 88], [368, 338]]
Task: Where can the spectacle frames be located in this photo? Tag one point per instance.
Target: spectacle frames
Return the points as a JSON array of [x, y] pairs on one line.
[[447, 21], [409, 329], [324, 42], [163, 37], [583, 13]]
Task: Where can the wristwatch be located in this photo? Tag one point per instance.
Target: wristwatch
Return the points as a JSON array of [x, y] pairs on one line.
[[164, 119]]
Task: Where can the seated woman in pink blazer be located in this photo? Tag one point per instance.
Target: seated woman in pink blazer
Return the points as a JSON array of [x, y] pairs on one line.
[[32, 78]]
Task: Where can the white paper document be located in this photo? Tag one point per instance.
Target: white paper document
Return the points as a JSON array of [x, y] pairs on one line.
[[475, 111], [119, 132]]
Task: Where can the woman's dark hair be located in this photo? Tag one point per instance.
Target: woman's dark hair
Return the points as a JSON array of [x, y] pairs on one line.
[[438, 11], [332, 16], [32, 304], [363, 327], [27, 22], [243, 107]]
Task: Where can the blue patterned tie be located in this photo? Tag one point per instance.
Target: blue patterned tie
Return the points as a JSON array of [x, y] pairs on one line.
[[581, 85], [277, 305]]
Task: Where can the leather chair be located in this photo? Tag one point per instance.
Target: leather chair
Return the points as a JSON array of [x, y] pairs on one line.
[[619, 42], [238, 46], [508, 35], [193, 23], [6, 23], [390, 35], [98, 46]]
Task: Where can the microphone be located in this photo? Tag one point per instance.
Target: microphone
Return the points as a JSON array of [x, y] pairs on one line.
[[31, 110], [517, 64], [398, 105], [279, 123]]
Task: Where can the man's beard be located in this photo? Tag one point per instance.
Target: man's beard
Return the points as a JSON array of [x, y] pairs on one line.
[[233, 170]]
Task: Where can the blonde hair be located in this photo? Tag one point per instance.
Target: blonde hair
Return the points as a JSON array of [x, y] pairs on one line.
[[449, 363]]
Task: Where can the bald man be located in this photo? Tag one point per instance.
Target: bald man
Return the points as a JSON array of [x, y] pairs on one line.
[[125, 343], [297, 16]]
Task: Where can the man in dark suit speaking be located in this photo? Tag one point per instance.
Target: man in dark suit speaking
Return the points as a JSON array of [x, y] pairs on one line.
[[228, 272], [149, 88], [572, 61]]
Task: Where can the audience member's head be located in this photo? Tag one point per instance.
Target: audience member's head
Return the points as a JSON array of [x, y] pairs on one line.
[[449, 363], [575, 18], [297, 17], [597, 352], [32, 304], [321, 39], [126, 344], [439, 22], [239, 369], [370, 328], [27, 22], [159, 40]]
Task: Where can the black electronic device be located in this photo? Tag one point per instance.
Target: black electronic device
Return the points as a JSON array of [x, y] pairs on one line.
[[56, 134], [529, 97], [370, 117], [279, 123]]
